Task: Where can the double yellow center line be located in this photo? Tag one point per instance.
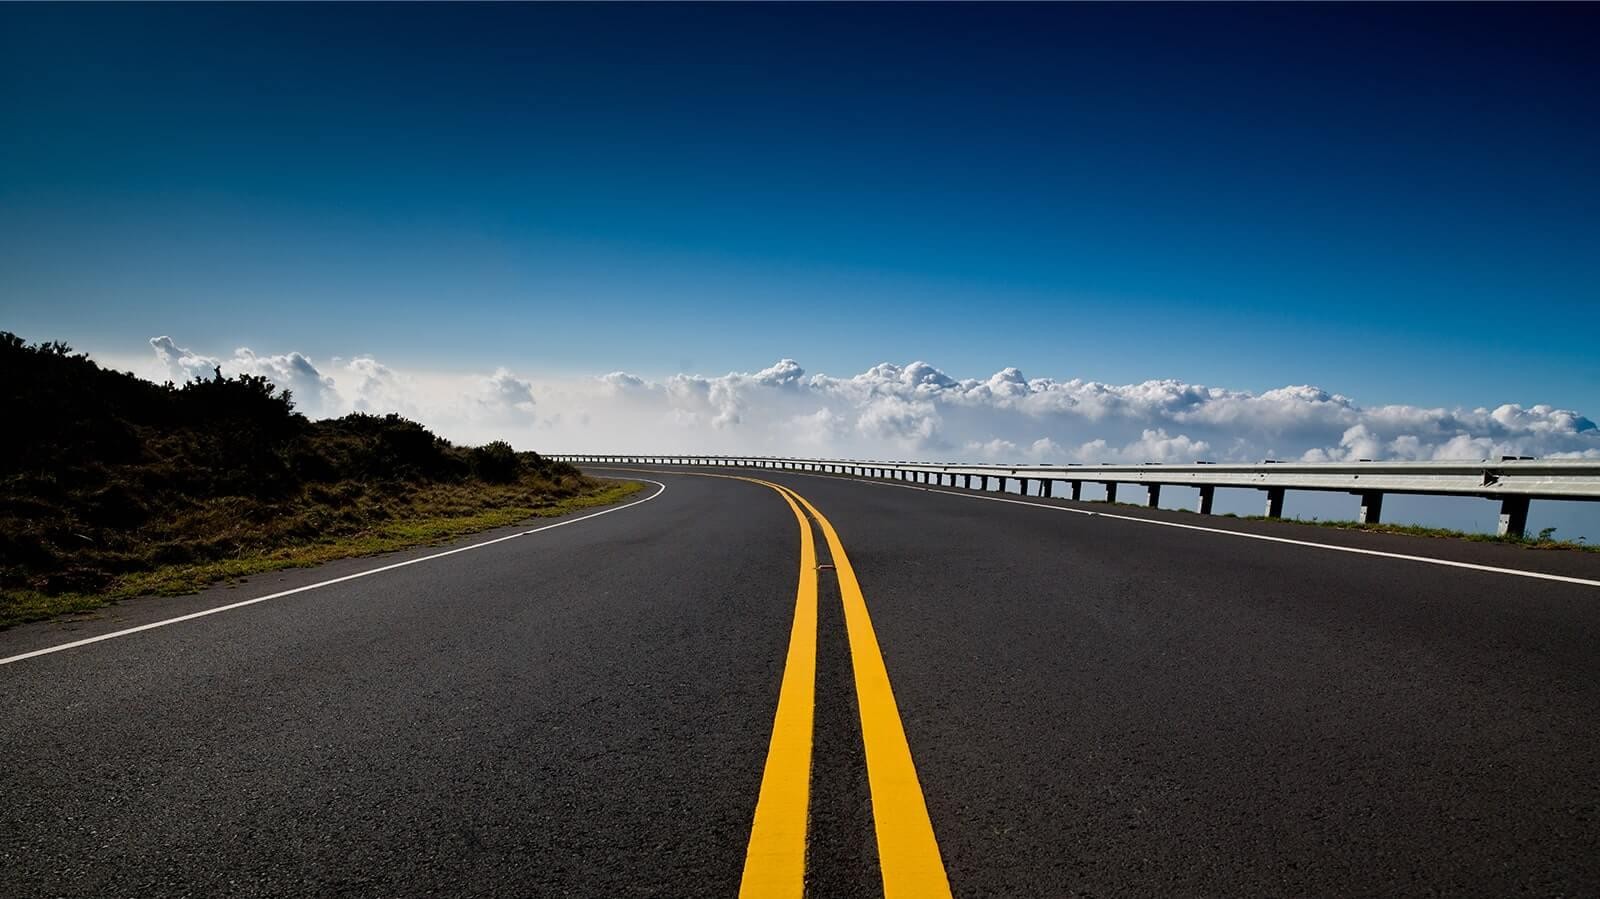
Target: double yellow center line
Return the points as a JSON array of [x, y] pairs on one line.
[[908, 854]]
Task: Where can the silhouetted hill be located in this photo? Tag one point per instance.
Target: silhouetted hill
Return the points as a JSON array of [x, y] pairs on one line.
[[106, 475]]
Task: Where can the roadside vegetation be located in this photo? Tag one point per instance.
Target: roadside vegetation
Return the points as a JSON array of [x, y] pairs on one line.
[[115, 487]]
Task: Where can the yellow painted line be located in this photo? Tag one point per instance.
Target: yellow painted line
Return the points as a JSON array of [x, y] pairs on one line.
[[908, 853], [775, 862]]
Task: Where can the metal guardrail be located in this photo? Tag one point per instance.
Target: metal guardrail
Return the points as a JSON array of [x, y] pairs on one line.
[[1512, 481]]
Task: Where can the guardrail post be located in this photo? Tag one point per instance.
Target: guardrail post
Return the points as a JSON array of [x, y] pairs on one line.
[[1152, 496], [1077, 490], [1207, 494], [1371, 511], [1045, 485], [1513, 516], [1003, 479], [1274, 502], [1023, 482], [1111, 491]]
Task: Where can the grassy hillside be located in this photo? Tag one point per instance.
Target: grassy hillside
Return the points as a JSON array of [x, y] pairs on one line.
[[115, 487]]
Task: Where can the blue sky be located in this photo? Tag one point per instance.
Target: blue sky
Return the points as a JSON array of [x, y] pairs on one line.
[[1396, 203]]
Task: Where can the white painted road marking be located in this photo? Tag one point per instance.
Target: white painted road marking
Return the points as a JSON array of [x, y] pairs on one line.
[[1492, 569], [328, 583], [1518, 572]]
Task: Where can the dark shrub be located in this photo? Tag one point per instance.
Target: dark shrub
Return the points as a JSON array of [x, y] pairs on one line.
[[496, 462]]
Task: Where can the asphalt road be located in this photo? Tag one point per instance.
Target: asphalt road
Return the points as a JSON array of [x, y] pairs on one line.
[[1095, 705]]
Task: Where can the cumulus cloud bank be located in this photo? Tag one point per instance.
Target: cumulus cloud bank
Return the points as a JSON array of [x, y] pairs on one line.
[[904, 411]]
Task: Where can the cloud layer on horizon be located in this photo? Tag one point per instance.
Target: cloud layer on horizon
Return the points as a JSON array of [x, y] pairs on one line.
[[900, 411]]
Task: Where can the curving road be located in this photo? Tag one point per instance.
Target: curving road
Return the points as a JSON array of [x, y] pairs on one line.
[[1106, 704]]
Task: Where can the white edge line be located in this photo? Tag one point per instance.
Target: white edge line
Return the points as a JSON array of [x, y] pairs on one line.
[[328, 583], [1518, 572], [1449, 563]]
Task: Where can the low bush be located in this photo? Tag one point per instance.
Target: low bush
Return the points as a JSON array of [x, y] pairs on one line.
[[107, 476]]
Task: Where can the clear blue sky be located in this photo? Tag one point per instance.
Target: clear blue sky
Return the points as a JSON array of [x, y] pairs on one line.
[[1399, 203]]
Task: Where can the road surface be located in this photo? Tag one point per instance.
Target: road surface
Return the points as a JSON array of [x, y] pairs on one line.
[[996, 697]]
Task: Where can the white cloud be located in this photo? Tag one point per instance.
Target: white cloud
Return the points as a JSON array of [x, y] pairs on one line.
[[902, 424], [900, 411], [1154, 445], [311, 389], [504, 390], [991, 450], [180, 364]]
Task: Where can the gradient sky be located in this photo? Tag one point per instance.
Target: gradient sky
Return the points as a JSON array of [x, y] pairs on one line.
[[1400, 203]]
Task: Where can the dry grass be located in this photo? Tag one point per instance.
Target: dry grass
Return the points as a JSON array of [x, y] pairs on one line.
[[362, 525]]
